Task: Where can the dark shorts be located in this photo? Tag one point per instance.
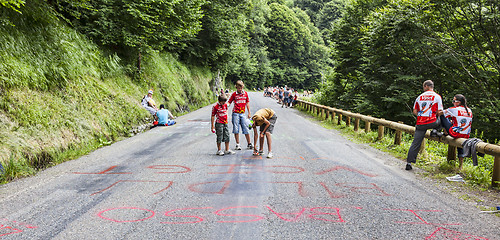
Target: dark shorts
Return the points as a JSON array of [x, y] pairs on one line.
[[222, 132], [270, 129]]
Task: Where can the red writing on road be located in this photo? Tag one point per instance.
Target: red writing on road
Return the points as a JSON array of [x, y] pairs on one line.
[[422, 220], [137, 181], [232, 169], [7, 227], [443, 233], [336, 190], [235, 214]]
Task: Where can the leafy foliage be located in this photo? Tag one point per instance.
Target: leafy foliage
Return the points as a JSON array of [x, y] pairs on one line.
[[384, 50], [12, 4], [163, 24]]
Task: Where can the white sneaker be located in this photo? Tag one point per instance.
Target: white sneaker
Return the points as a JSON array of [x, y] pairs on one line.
[[270, 155], [238, 147], [220, 153], [249, 146], [229, 152], [456, 178]]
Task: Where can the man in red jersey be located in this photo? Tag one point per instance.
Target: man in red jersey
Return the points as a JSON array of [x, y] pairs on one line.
[[427, 107]]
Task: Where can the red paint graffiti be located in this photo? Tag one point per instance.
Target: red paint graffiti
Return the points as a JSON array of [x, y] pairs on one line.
[[443, 233], [7, 230], [107, 171], [168, 167], [237, 214], [422, 221], [101, 214], [136, 181]]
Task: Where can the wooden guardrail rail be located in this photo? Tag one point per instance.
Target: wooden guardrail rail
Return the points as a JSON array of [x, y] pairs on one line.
[[399, 127]]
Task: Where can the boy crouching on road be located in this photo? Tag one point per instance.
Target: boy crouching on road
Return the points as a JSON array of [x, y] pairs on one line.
[[265, 118], [219, 114]]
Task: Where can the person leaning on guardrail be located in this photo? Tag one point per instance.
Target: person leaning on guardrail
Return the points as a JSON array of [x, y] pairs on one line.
[[427, 107]]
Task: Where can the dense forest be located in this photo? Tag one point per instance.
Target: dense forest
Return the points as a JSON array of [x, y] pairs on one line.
[[368, 56]]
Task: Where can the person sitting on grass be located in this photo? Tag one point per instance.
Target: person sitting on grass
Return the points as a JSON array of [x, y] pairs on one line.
[[148, 103]]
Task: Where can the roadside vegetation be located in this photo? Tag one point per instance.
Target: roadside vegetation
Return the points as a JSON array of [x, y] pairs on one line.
[[72, 72], [433, 161], [63, 96]]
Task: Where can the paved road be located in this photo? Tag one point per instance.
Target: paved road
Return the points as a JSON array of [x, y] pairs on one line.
[[168, 183]]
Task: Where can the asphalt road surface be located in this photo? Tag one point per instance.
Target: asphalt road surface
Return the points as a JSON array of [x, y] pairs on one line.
[[167, 183]]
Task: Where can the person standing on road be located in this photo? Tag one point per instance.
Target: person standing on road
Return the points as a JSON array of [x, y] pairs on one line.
[[219, 117], [239, 119], [265, 118], [287, 94], [427, 107], [461, 122]]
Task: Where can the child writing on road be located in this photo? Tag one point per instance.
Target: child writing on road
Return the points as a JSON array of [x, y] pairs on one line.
[[219, 117], [265, 118]]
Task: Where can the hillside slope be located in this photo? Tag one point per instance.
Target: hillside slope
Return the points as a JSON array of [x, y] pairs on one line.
[[61, 95]]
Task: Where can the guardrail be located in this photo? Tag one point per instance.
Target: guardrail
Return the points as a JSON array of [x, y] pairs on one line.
[[453, 143]]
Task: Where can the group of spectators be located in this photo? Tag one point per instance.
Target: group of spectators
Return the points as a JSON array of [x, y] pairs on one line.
[[285, 96], [428, 107]]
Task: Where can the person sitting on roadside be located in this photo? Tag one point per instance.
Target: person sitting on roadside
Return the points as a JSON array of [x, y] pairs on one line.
[[165, 117], [460, 124], [148, 103]]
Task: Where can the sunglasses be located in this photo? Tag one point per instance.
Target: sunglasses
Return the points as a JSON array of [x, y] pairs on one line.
[[455, 101]]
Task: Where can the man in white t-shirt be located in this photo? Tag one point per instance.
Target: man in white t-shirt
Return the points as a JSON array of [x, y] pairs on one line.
[[427, 107]]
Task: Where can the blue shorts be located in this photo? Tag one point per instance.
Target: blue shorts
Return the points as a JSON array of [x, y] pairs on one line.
[[238, 120]]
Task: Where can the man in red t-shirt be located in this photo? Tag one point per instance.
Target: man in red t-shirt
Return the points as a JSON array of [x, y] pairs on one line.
[[427, 107], [239, 119]]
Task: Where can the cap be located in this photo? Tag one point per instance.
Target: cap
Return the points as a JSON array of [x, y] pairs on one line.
[[150, 91]]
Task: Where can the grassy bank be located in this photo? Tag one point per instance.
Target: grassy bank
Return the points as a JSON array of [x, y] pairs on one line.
[[62, 96]]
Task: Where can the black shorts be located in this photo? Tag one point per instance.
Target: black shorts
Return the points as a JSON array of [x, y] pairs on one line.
[[272, 121]]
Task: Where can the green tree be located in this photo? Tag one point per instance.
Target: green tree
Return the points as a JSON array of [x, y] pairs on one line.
[[136, 24], [222, 44], [343, 86], [468, 31], [295, 48], [12, 4]]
